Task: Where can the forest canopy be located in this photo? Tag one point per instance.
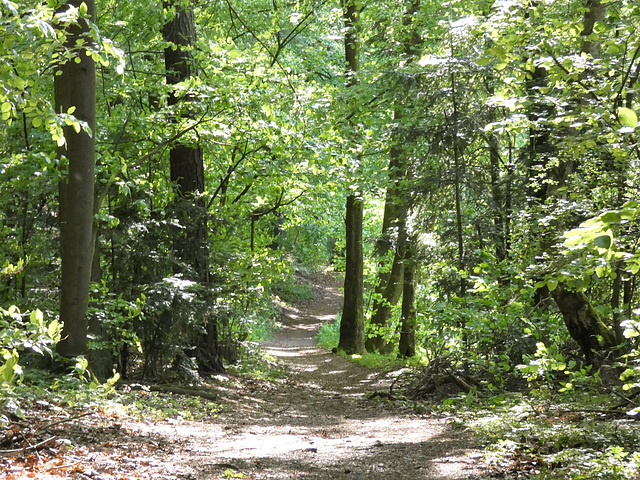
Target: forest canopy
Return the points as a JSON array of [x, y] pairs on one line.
[[471, 166]]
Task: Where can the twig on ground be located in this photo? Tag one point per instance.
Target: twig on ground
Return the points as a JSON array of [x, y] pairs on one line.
[[279, 411], [30, 447], [59, 467], [65, 420]]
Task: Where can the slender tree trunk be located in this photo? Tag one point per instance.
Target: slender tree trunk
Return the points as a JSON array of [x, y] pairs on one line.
[[388, 293], [457, 165], [616, 291], [394, 223], [407, 344], [187, 171], [75, 86], [497, 197], [100, 359], [352, 323], [508, 209], [186, 161], [389, 284]]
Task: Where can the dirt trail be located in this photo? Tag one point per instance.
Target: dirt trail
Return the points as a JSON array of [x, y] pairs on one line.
[[319, 423]]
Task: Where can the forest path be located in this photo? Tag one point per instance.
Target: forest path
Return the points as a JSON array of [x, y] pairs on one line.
[[318, 423]]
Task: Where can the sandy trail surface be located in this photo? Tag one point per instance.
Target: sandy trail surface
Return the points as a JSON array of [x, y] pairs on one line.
[[319, 423]]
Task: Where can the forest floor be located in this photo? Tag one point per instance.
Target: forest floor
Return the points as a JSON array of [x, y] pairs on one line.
[[318, 421]]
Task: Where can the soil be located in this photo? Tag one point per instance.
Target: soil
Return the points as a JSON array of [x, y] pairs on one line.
[[319, 422]]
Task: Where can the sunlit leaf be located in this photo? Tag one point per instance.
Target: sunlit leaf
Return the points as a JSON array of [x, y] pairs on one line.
[[627, 117]]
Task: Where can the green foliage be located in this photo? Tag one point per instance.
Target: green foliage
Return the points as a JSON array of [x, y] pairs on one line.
[[257, 364], [117, 317], [228, 473], [329, 334], [377, 361], [292, 288], [555, 440], [21, 333]]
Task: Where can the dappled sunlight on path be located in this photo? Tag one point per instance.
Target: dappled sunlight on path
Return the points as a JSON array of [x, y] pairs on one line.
[[319, 423]]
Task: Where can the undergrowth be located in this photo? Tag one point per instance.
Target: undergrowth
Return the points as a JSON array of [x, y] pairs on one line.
[[563, 437], [329, 333]]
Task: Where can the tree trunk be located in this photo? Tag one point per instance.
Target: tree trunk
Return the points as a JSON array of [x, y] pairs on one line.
[[582, 321], [187, 172], [75, 86], [352, 323], [394, 222], [498, 200], [186, 161], [407, 344], [387, 294]]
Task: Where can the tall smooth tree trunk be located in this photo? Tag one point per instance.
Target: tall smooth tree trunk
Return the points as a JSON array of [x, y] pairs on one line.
[[407, 344], [352, 323], [187, 172], [388, 288], [186, 161], [389, 285], [498, 200], [75, 86]]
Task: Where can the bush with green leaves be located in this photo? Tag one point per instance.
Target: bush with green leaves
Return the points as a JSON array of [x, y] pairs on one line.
[[21, 333]]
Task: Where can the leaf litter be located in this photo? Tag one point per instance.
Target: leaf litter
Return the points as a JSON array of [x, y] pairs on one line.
[[319, 421]]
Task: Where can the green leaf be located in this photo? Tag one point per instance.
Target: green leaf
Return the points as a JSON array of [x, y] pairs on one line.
[[611, 217], [603, 241], [627, 117], [83, 9], [552, 285]]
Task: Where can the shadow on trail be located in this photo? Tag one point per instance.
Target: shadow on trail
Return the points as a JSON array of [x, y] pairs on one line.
[[318, 423], [426, 459]]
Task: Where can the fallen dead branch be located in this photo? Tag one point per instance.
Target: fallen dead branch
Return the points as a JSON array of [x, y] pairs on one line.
[[64, 420], [29, 447]]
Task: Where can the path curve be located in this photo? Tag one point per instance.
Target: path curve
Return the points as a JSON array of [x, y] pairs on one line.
[[318, 423]]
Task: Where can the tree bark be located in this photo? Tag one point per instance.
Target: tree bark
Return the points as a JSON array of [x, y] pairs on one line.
[[187, 172], [407, 344], [387, 294], [583, 322], [352, 323], [75, 86], [186, 161], [394, 222], [498, 200]]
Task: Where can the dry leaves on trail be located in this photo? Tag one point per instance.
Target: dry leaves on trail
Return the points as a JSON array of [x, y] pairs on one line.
[[95, 445]]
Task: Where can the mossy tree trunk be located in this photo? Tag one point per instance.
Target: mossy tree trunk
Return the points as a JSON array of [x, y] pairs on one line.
[[583, 322], [352, 323], [389, 284]]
